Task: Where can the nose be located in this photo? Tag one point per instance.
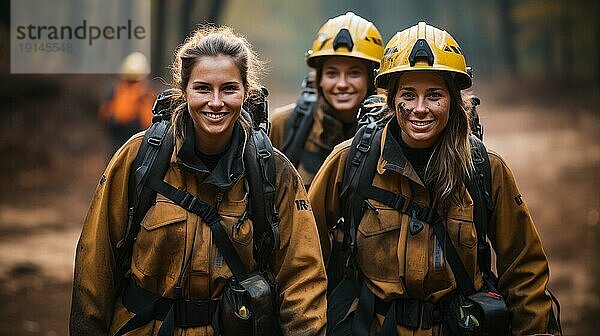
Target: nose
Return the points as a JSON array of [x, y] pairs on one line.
[[343, 81], [421, 107], [215, 101]]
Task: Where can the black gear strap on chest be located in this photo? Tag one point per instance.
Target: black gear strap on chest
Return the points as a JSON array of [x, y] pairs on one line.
[[299, 125], [428, 215], [177, 309]]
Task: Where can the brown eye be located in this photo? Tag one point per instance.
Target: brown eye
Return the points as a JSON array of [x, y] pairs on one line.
[[201, 88], [407, 95], [435, 95]]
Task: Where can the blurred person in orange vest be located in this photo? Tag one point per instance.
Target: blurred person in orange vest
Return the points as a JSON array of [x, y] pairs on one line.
[[128, 107]]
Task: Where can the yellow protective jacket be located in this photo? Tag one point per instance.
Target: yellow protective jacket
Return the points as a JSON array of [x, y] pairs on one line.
[[168, 233], [397, 264], [326, 132]]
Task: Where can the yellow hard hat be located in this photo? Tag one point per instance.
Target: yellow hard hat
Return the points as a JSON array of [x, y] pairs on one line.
[[423, 48], [347, 35], [135, 66]]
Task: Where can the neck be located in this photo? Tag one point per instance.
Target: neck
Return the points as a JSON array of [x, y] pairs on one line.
[[212, 144], [346, 117], [416, 144]]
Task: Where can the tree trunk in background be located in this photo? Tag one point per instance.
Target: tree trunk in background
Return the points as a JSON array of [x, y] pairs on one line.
[[507, 36], [158, 37], [566, 40], [185, 15], [596, 14], [216, 8]]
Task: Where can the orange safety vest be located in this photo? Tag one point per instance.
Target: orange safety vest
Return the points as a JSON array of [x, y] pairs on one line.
[[130, 101]]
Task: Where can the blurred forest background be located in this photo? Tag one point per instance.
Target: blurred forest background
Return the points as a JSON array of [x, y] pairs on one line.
[[537, 72]]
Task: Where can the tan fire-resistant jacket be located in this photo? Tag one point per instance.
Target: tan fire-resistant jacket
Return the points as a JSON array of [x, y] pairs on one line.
[[169, 232], [326, 132], [400, 265]]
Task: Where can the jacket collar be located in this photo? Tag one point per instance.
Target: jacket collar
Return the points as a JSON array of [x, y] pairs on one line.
[[328, 131], [229, 167], [392, 155]]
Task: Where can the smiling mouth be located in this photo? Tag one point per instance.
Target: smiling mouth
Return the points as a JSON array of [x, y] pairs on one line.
[[421, 123], [344, 96], [215, 116]]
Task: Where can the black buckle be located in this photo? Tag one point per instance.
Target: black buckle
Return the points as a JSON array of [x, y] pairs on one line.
[[189, 202], [210, 215], [263, 153], [155, 141], [413, 207], [363, 146], [401, 203]]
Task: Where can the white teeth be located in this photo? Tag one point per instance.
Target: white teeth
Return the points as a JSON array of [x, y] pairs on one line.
[[421, 123], [215, 115]]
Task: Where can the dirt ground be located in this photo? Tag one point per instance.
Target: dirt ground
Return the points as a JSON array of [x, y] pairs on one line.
[[54, 151]]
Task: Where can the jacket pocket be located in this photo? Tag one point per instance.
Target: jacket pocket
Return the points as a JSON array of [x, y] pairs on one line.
[[377, 242], [235, 220], [461, 227], [463, 234], [239, 228], [158, 248]]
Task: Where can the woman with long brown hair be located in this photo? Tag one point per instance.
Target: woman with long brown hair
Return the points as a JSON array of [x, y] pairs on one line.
[[400, 212]]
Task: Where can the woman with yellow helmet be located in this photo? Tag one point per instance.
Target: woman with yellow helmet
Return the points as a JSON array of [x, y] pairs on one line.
[[346, 51], [404, 211]]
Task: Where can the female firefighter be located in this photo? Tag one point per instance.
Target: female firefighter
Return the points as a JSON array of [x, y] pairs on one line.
[[345, 52], [180, 278], [404, 228]]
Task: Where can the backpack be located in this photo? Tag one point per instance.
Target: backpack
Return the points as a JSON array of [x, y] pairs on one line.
[[151, 164], [298, 127]]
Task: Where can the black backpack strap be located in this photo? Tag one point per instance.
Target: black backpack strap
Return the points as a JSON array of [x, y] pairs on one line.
[[479, 185], [152, 159], [260, 165], [360, 168], [259, 161], [345, 283], [299, 125]]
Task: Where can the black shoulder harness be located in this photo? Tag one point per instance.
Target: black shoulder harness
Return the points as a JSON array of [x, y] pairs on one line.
[[357, 187], [299, 125], [151, 164]]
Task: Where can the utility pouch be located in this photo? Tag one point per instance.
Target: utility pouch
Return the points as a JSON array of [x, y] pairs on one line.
[[483, 313], [247, 307]]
